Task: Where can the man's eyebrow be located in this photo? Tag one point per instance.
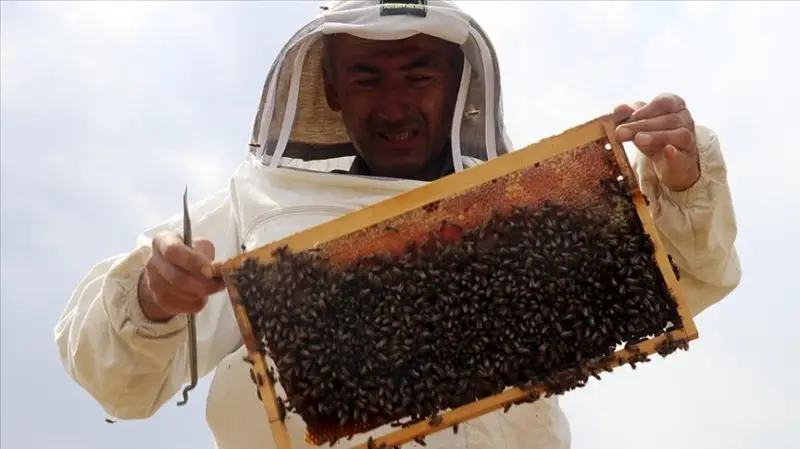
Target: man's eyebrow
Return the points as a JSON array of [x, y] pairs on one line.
[[423, 62], [361, 69]]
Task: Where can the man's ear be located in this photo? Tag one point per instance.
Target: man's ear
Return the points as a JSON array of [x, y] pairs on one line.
[[330, 92]]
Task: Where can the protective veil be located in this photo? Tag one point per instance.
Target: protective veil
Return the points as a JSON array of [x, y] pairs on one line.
[[294, 120], [132, 366]]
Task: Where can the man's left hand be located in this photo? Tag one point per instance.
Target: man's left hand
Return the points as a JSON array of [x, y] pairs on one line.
[[663, 130]]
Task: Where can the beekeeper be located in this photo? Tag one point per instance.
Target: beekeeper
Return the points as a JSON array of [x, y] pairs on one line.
[[368, 100]]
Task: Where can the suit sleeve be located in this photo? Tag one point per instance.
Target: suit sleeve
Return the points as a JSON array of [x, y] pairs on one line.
[[698, 225], [130, 365]]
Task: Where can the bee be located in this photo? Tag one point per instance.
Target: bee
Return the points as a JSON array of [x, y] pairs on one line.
[[281, 409], [445, 224]]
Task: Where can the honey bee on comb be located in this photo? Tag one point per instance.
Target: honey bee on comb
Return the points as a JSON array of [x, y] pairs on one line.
[[536, 279]]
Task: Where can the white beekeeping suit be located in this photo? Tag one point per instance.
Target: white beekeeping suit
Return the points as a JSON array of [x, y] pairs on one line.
[[132, 366]]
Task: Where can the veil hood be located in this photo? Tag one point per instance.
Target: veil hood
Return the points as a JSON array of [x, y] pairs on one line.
[[294, 125]]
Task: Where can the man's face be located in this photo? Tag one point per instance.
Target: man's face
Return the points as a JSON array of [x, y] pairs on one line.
[[397, 100]]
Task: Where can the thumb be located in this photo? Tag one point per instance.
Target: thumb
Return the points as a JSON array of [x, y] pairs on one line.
[[661, 164], [673, 168], [624, 112], [205, 248]]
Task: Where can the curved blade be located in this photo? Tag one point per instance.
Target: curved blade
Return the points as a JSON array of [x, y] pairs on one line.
[[192, 343], [187, 222]]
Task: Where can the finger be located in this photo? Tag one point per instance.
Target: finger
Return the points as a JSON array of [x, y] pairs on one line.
[[172, 301], [671, 153], [681, 138], [660, 105], [664, 122], [677, 170], [179, 279], [205, 248], [623, 112], [213, 286], [174, 251]]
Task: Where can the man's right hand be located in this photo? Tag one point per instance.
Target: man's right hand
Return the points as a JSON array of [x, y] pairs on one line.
[[177, 279]]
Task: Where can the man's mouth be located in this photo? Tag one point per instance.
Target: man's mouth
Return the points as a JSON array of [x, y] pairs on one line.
[[399, 137]]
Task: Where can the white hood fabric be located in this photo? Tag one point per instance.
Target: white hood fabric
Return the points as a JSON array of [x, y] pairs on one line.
[[133, 367]]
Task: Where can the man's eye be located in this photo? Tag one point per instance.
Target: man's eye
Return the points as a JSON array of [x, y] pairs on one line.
[[367, 81], [420, 79]]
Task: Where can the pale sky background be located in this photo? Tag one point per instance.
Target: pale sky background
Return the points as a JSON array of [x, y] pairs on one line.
[[109, 108]]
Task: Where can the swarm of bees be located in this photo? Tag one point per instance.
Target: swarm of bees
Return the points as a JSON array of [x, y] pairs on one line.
[[537, 296]]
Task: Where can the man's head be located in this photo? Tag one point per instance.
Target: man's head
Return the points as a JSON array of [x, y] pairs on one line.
[[396, 99]]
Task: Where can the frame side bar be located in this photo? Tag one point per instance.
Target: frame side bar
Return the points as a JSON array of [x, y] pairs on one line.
[[269, 397]]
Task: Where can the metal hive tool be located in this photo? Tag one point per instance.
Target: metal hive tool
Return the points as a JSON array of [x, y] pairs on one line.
[[575, 170], [191, 342]]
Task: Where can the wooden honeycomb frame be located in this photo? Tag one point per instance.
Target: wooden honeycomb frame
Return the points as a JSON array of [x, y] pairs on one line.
[[599, 130]]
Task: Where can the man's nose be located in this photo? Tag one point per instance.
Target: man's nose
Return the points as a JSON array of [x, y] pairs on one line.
[[394, 105]]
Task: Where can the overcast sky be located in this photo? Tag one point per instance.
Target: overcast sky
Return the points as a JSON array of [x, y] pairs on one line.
[[109, 108]]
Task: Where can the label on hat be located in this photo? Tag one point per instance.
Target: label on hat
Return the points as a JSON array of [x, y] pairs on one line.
[[418, 8]]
